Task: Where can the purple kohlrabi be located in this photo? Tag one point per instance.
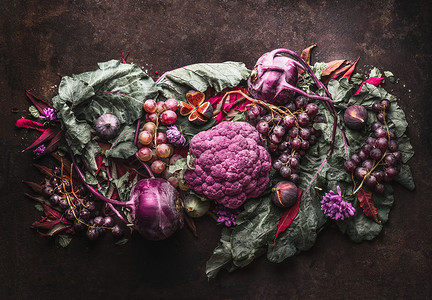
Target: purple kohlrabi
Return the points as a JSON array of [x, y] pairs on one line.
[[272, 77]]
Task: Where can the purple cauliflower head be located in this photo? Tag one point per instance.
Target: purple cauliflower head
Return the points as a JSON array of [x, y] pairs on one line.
[[230, 164]]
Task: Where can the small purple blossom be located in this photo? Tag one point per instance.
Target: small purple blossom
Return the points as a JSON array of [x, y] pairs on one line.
[[335, 207], [50, 114], [175, 137], [226, 216], [39, 150]]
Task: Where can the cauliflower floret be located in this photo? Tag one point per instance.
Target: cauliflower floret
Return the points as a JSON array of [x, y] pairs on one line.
[[230, 163]]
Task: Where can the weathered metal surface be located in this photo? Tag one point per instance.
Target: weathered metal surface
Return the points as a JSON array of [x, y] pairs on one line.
[[39, 39]]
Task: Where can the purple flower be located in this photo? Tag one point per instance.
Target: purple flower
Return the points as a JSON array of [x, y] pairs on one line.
[[175, 137], [335, 207], [50, 114], [226, 216], [39, 150]]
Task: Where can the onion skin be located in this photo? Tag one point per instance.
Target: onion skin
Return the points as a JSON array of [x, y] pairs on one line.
[[156, 212]]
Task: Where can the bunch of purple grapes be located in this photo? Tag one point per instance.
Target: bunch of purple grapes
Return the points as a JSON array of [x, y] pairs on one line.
[[376, 161], [287, 133]]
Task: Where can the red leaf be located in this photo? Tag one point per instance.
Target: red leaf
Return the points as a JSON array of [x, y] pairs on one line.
[[367, 204], [34, 186], [332, 66], [39, 103], [351, 69], [51, 212], [191, 225], [45, 224], [44, 170], [341, 71], [54, 142], [45, 136], [26, 123], [288, 216], [306, 53], [376, 81]]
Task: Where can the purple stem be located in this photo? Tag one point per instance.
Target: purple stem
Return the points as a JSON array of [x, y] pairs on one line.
[[118, 214], [137, 131], [149, 171], [90, 188]]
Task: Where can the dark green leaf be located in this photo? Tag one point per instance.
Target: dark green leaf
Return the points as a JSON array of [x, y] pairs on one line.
[[64, 240], [222, 255], [122, 241], [405, 177]]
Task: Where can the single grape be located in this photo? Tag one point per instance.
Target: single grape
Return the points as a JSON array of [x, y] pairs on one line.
[[391, 172], [382, 144], [171, 104], [150, 106], [160, 107], [376, 154], [70, 214], [289, 121], [275, 138], [305, 133], [319, 119], [312, 139], [360, 173], [393, 146], [158, 166], [117, 231], [302, 152], [356, 159], [376, 107], [294, 177], [291, 106], [55, 199], [367, 148], [284, 158], [295, 143], [151, 117], [90, 206], [276, 120], [371, 141], [293, 132], [379, 188], [371, 181], [161, 138], [381, 118], [293, 162], [262, 127], [391, 134], [56, 170], [54, 181], [301, 102], [283, 146], [163, 150], [145, 154], [349, 166], [84, 214], [92, 234], [145, 137], [376, 125], [277, 165], [63, 204], [367, 164], [279, 130], [303, 119], [304, 145], [397, 155], [79, 226], [285, 171], [108, 221], [47, 191], [378, 174], [168, 117], [363, 155], [150, 127], [98, 221], [390, 160], [251, 116], [385, 104], [311, 109], [380, 133]]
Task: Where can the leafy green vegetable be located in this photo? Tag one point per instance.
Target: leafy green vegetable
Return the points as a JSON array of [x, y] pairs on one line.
[[115, 88]]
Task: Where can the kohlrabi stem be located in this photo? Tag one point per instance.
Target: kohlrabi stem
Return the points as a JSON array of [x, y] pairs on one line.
[[90, 188], [149, 171], [137, 132]]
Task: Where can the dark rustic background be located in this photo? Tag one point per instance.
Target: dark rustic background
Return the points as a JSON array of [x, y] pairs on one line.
[[39, 39]]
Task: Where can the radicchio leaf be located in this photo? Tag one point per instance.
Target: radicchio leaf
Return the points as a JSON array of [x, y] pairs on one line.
[[306, 53], [288, 216], [376, 81], [367, 204]]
